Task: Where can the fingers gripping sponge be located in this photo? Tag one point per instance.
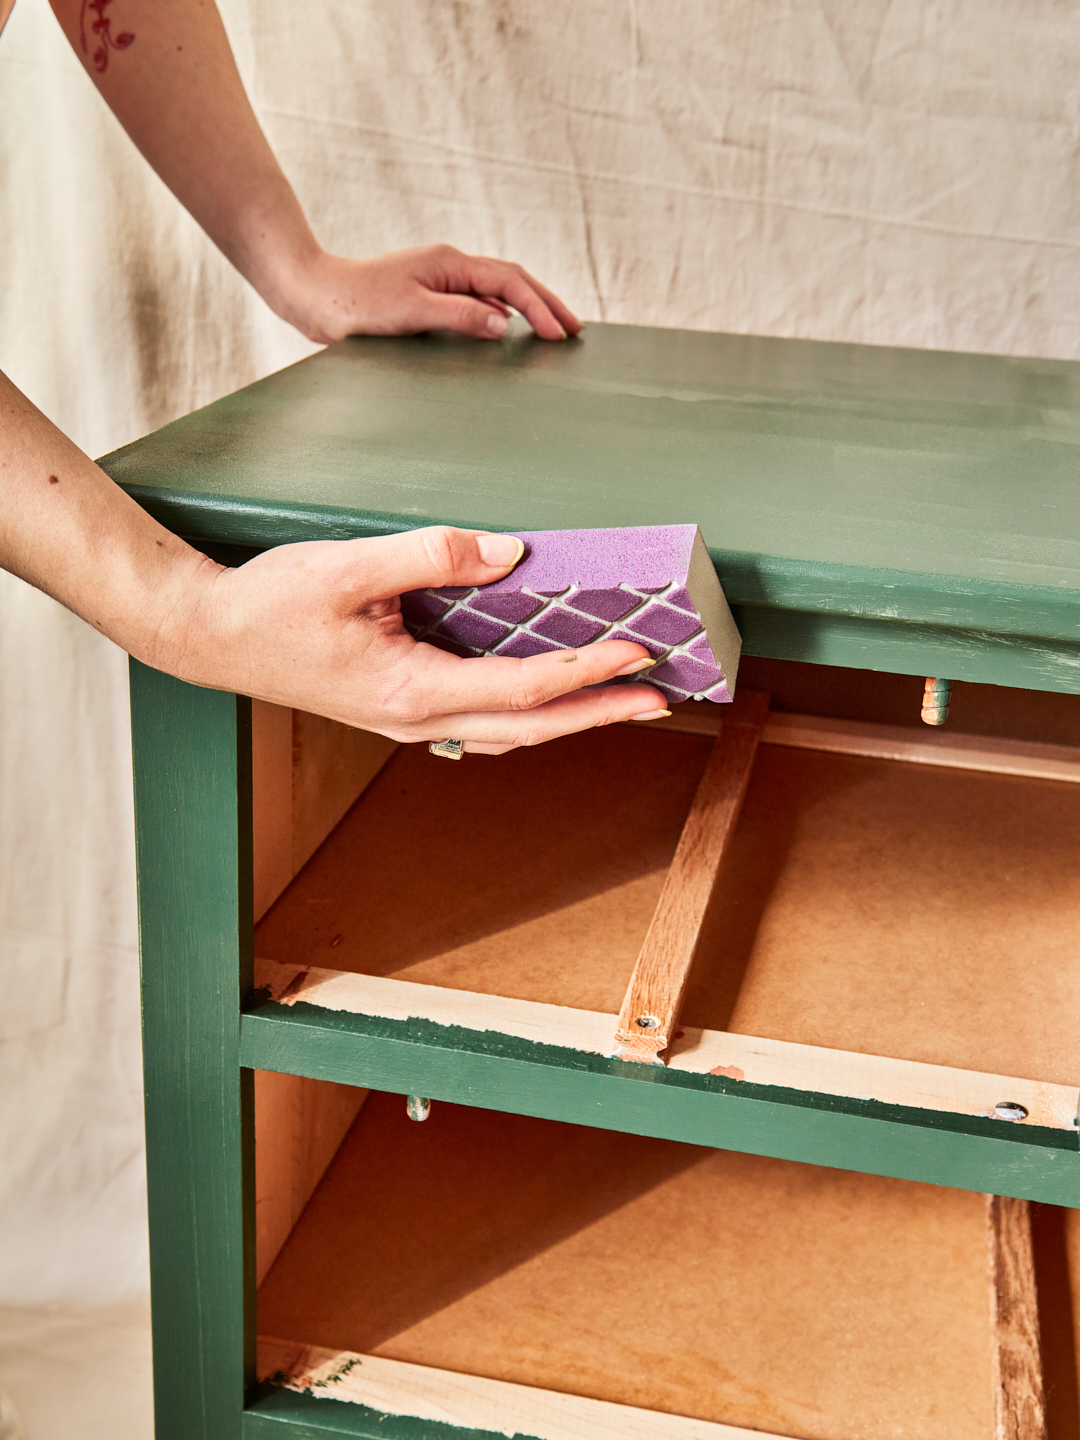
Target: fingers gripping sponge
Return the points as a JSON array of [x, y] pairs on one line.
[[653, 584]]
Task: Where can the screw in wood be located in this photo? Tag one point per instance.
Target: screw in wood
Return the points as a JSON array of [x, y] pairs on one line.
[[1010, 1110], [417, 1107], [935, 701], [647, 1022]]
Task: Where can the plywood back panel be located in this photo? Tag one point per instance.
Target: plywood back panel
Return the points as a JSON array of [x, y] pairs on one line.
[[866, 905], [532, 875], [783, 1297], [900, 910]]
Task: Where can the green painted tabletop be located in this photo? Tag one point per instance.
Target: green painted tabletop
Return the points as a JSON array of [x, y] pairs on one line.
[[921, 505]]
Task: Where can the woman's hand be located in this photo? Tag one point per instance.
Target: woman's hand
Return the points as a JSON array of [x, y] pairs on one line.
[[319, 626], [431, 288], [316, 626], [175, 88]]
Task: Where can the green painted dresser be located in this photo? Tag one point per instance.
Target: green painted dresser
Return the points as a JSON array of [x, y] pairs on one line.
[[876, 516]]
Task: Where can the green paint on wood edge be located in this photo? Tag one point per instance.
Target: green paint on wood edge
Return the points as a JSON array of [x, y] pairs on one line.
[[501, 1073], [310, 1417], [432, 1035]]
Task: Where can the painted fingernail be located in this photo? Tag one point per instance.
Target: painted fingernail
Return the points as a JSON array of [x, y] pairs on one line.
[[500, 551], [497, 325], [651, 715], [635, 666]]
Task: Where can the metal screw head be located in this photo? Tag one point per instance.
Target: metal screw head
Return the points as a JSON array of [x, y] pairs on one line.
[[647, 1022], [1010, 1110]]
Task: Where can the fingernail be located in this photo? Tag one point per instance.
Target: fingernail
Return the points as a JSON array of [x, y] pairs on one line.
[[497, 324], [651, 715], [500, 551], [635, 666]]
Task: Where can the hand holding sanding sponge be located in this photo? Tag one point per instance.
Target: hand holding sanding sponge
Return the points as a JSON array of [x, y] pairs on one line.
[[652, 584]]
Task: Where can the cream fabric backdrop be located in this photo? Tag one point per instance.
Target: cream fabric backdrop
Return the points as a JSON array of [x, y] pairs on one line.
[[898, 173]]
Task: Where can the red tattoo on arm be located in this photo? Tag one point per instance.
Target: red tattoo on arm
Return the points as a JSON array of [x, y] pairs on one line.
[[103, 38]]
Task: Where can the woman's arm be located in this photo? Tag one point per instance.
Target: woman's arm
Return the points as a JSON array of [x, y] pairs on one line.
[[315, 625], [167, 72]]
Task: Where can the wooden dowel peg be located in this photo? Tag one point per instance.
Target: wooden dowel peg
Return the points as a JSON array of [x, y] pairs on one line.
[[935, 701], [650, 1010], [417, 1107], [1019, 1410]]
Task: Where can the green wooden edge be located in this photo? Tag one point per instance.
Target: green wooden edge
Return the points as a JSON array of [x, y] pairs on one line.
[[307, 1417], [503, 1073], [774, 581], [192, 817], [786, 609], [859, 642]]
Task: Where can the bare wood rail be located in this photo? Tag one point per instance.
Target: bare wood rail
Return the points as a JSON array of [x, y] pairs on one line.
[[650, 1010], [1019, 1411]]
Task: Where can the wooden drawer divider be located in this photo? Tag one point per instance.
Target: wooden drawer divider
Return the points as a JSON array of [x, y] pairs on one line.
[[1017, 1375], [650, 1010]]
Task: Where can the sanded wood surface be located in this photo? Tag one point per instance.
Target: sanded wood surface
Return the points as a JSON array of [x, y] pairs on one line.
[[785, 1298], [815, 472], [1016, 1361], [650, 1008], [696, 1052], [473, 1402]]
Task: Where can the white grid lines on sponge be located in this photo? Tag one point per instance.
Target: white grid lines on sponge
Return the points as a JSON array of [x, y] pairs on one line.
[[475, 621]]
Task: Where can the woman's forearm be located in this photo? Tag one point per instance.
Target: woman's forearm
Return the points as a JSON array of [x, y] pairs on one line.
[[168, 74], [315, 625], [175, 88], [66, 528]]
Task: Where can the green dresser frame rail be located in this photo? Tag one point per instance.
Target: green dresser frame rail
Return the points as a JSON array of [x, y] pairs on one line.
[[893, 510]]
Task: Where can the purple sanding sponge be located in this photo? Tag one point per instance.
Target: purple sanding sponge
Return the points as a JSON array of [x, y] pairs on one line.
[[653, 584]]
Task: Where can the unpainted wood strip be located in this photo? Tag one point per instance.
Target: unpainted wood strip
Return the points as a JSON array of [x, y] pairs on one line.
[[333, 764], [896, 742], [738, 1057], [473, 1402], [299, 1125], [306, 773], [913, 1083], [272, 801], [1019, 1411], [650, 1009]]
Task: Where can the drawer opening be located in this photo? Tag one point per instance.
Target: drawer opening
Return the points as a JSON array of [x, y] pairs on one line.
[[894, 930], [521, 1276]]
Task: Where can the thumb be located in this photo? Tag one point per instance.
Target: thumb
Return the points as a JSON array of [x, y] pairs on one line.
[[483, 319], [440, 555]]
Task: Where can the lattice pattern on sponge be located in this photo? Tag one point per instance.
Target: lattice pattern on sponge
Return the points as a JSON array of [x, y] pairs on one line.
[[654, 585]]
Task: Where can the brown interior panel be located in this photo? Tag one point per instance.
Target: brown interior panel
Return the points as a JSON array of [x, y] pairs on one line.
[[903, 910], [867, 905], [791, 1298], [531, 875]]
